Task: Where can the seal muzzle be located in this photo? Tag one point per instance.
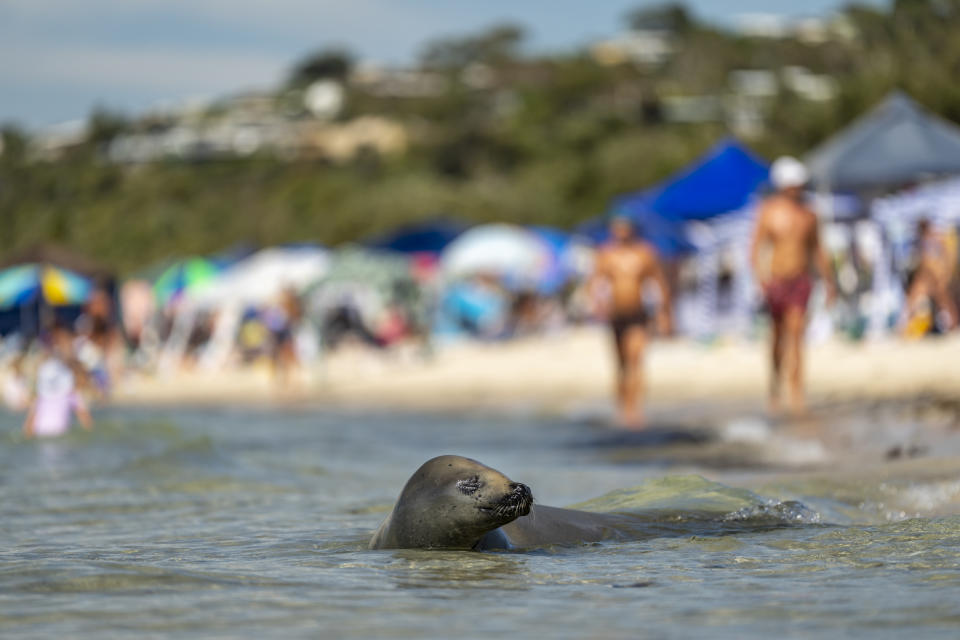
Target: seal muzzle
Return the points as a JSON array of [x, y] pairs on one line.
[[516, 503]]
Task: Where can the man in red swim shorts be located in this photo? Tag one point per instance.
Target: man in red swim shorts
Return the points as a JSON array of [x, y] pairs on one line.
[[789, 229]]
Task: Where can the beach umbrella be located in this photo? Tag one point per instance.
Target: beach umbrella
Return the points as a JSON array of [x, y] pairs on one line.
[[187, 275], [571, 258], [62, 287], [260, 278], [516, 255], [18, 285], [59, 287]]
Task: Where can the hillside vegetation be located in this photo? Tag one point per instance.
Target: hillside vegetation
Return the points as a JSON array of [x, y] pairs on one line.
[[550, 140]]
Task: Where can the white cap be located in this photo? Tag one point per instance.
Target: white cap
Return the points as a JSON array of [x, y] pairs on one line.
[[788, 172]]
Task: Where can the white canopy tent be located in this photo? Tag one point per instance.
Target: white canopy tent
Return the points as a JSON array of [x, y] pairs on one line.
[[730, 233], [263, 276], [255, 281]]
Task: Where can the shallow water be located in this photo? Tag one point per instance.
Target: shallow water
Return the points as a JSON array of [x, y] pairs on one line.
[[230, 523]]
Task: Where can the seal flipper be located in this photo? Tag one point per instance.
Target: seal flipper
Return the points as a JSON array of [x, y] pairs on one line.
[[496, 539]]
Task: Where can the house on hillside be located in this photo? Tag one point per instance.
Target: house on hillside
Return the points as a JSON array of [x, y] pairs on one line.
[[52, 143], [810, 30], [399, 83], [647, 47]]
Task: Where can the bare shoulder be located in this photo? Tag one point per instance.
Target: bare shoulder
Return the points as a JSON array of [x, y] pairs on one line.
[[772, 202], [601, 260], [646, 248], [647, 252], [767, 207], [810, 216]]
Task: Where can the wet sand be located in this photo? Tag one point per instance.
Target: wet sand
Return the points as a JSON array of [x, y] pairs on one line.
[[568, 373]]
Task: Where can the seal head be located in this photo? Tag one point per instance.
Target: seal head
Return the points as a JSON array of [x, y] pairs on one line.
[[452, 502]]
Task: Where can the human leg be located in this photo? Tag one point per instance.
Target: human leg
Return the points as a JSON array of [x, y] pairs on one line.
[[776, 362], [631, 406], [618, 334], [946, 304], [794, 322]]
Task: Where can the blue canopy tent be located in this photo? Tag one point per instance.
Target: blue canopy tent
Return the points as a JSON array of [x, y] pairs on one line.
[[666, 235], [722, 181], [425, 237]]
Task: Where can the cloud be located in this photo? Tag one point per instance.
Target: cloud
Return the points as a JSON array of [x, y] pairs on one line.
[[130, 52], [155, 68]]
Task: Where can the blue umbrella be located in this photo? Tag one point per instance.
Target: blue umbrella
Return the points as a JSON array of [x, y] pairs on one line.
[[21, 284], [426, 237]]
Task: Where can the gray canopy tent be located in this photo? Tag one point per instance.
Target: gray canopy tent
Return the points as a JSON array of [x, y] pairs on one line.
[[896, 143]]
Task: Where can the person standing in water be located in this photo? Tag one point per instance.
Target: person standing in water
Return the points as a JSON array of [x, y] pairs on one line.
[[790, 230], [625, 264], [56, 392]]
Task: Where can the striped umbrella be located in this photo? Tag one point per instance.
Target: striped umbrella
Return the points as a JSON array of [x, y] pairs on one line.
[[20, 284], [188, 275]]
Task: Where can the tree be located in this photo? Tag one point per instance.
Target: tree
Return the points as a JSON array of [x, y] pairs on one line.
[[494, 46], [13, 144], [328, 64], [105, 125], [673, 17]]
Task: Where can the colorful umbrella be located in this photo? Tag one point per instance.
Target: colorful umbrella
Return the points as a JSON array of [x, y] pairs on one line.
[[516, 255], [62, 287], [188, 275], [262, 277], [20, 284]]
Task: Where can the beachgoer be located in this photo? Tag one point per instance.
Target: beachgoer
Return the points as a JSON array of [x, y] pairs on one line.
[[56, 392], [16, 391], [283, 319], [625, 264], [101, 341], [931, 275], [790, 229]]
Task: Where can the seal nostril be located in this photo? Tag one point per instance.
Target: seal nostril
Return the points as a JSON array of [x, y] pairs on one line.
[[521, 490]]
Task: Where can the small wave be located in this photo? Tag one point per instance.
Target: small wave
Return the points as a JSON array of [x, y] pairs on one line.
[[692, 501], [691, 493], [775, 512], [894, 502]]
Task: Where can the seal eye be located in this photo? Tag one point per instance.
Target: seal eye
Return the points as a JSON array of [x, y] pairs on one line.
[[468, 486]]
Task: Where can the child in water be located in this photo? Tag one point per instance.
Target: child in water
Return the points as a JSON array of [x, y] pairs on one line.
[[56, 392]]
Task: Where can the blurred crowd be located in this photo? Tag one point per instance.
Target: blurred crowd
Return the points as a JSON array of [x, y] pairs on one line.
[[144, 327], [893, 259]]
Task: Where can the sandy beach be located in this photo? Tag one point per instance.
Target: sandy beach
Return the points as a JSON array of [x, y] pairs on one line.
[[563, 373]]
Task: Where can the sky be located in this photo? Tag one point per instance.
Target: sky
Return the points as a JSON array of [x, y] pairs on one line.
[[61, 58]]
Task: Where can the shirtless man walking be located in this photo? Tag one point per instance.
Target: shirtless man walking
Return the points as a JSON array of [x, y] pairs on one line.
[[789, 228], [625, 264]]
